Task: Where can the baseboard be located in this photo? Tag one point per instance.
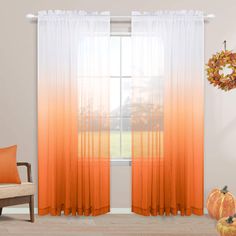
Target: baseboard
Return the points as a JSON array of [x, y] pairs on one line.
[[121, 211], [25, 210]]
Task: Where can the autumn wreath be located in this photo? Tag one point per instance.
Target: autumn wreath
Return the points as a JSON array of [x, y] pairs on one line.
[[216, 67]]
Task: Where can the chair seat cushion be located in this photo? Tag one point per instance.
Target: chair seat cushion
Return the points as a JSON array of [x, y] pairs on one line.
[[16, 190]]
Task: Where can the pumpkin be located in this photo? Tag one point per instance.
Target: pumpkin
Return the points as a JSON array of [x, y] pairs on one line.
[[221, 203], [227, 226]]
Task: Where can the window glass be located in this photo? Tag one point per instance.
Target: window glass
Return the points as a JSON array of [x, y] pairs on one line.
[[126, 56], [115, 56], [126, 96], [126, 138], [115, 97], [120, 98], [115, 144]]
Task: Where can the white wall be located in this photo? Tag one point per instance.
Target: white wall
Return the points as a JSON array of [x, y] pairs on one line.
[[18, 84]]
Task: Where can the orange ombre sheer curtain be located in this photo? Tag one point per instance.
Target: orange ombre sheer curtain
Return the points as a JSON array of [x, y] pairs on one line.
[[167, 113], [73, 108]]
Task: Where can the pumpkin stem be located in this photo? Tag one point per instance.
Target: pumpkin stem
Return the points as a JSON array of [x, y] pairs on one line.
[[224, 190], [230, 220]]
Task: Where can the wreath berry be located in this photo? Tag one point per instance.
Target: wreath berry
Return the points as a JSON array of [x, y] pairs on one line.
[[215, 70]]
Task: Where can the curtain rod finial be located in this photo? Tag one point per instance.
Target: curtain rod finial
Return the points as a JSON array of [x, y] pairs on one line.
[[210, 16], [30, 16]]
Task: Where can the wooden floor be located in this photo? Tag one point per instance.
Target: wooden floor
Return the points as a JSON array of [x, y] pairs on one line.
[[110, 224]]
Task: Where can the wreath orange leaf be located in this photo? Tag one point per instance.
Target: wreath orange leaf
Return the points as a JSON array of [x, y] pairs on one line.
[[216, 64]]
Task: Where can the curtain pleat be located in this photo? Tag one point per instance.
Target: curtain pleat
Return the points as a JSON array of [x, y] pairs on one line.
[[167, 113], [73, 113]]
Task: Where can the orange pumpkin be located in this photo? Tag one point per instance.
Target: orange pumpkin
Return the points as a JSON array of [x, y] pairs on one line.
[[221, 203], [227, 226]]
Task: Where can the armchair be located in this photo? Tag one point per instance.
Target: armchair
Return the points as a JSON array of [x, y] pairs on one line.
[[15, 194]]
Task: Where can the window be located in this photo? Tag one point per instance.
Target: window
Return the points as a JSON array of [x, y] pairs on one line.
[[120, 96]]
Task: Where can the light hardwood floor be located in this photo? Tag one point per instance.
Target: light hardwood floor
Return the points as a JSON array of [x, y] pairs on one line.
[[110, 224]]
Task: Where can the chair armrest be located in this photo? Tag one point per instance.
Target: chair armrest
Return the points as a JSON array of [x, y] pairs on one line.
[[28, 165]]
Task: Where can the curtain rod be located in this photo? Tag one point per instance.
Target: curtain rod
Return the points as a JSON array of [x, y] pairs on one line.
[[34, 17]]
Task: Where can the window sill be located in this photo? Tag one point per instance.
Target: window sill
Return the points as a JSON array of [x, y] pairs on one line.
[[121, 162]]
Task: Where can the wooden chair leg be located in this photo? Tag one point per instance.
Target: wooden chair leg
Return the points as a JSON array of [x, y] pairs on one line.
[[0, 211], [31, 206]]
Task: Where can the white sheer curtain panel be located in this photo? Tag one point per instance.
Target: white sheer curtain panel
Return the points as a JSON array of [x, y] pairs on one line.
[[73, 112], [167, 112]]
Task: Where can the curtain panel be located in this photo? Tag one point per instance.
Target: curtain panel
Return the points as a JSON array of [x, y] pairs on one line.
[[167, 112], [73, 113]]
